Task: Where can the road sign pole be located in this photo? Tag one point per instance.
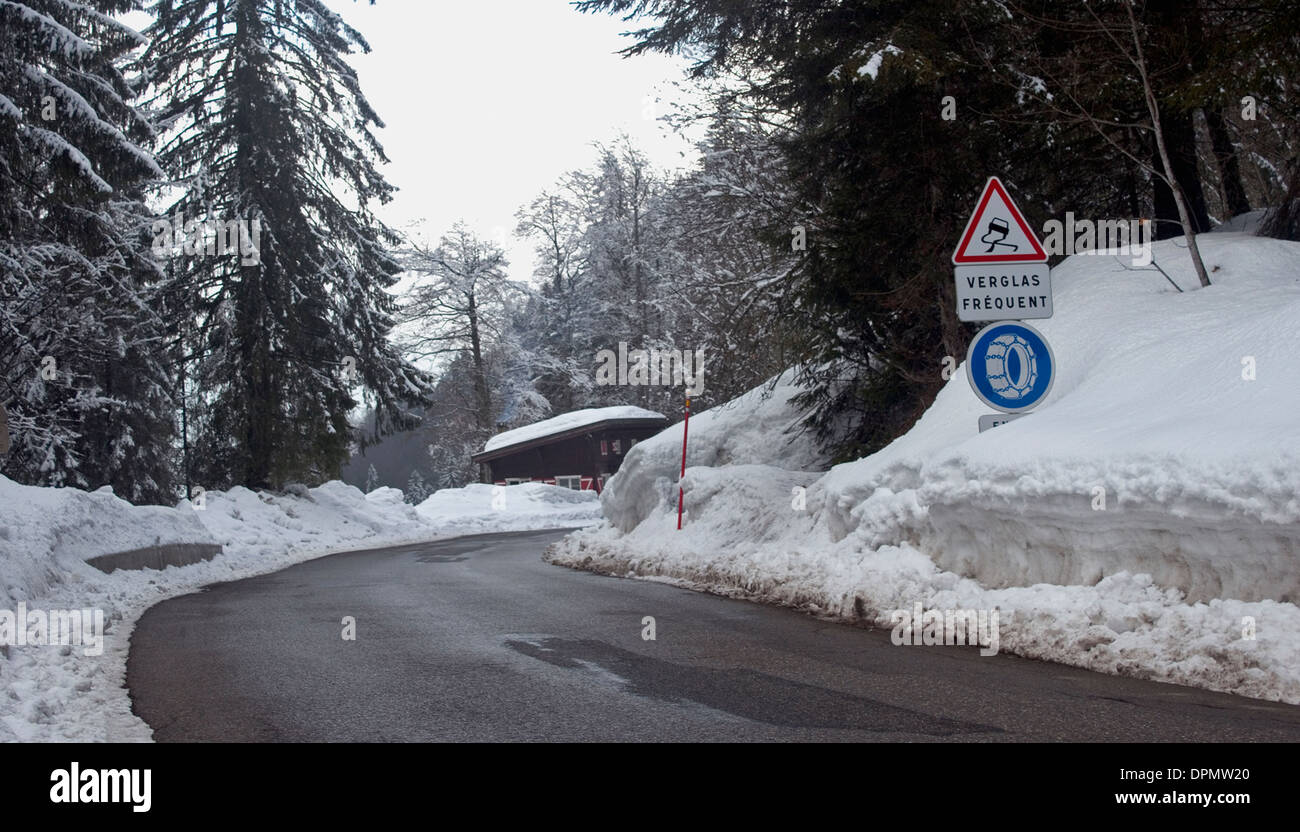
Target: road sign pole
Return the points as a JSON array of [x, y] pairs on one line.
[[681, 497]]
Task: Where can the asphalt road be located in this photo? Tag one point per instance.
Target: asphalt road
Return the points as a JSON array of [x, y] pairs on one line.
[[477, 639]]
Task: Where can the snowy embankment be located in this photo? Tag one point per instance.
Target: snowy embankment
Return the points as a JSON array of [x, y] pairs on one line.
[[46, 535], [1144, 520], [481, 508]]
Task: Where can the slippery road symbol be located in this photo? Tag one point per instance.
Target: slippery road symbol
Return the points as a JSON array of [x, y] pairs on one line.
[[1007, 237], [998, 231]]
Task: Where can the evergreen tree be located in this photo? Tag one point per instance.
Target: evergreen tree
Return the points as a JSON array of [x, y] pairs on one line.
[[451, 426], [267, 133], [727, 253], [890, 114], [84, 367], [887, 180], [416, 491]]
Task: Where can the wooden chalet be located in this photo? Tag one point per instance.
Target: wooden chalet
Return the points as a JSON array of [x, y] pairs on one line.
[[578, 450]]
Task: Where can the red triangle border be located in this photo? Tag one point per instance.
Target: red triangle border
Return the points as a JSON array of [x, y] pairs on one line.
[[1038, 255]]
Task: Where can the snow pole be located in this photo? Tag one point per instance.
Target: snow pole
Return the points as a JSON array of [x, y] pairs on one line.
[[680, 497]]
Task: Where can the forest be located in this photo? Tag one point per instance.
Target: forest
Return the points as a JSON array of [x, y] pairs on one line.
[[196, 289]]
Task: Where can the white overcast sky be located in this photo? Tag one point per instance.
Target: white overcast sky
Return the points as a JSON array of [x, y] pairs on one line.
[[488, 102]]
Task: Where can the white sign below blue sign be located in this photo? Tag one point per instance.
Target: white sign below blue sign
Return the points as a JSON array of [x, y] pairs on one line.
[[990, 421], [1010, 366]]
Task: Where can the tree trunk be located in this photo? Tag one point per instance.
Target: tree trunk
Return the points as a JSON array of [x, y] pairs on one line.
[[1234, 193], [1180, 146], [1153, 109], [1283, 222], [483, 414], [1132, 181]]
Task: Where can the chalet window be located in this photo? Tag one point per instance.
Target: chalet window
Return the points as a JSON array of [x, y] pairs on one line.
[[618, 446], [574, 482], [604, 448], [516, 480]]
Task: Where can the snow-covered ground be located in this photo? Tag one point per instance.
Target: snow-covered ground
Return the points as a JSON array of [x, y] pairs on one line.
[[46, 535], [481, 508], [752, 429], [1144, 520]]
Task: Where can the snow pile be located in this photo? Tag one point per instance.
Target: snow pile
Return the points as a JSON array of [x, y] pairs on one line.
[[478, 508], [47, 534], [566, 422], [331, 516], [1152, 411], [758, 428], [64, 693], [1144, 520]]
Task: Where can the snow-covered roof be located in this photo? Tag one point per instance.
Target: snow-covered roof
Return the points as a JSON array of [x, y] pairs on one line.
[[566, 422]]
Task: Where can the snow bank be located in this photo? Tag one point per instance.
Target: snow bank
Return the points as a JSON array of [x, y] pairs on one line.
[[332, 516], [480, 508], [1197, 465], [566, 422], [62, 693], [1142, 520], [47, 534], [758, 428]]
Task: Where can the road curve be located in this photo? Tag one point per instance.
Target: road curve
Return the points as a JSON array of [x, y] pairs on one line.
[[477, 639]]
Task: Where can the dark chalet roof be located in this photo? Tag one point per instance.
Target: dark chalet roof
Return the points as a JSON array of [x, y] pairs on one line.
[[567, 426]]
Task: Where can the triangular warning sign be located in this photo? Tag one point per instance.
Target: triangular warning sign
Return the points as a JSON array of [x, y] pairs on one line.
[[997, 232]]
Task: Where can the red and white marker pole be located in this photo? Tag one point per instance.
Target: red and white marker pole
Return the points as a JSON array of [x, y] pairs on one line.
[[680, 497]]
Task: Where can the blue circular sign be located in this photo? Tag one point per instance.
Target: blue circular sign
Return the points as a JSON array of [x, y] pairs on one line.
[[1010, 366]]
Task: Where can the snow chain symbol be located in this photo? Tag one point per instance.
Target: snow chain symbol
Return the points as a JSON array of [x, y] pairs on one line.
[[1011, 366]]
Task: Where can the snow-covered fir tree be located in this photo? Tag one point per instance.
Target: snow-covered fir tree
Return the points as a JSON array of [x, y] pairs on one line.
[[416, 489], [267, 132], [85, 369]]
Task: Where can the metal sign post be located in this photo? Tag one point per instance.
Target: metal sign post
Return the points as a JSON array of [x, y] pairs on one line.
[[681, 497]]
